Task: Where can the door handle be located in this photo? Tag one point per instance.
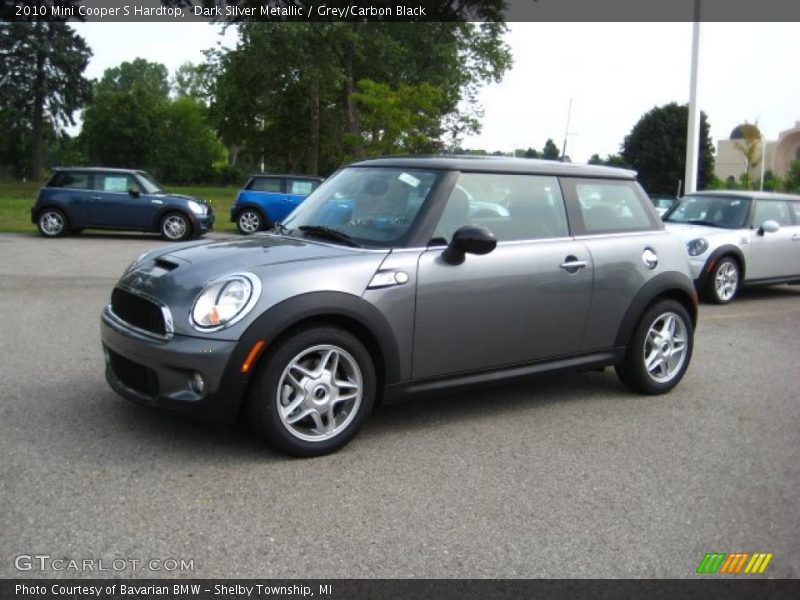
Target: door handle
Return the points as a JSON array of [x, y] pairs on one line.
[[796, 237], [156, 202], [96, 198], [571, 264]]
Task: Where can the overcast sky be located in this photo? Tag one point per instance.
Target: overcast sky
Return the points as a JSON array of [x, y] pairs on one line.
[[614, 73]]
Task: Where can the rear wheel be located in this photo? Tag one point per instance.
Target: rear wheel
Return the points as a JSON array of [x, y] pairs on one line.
[[175, 227], [724, 281], [659, 352], [314, 393], [52, 223], [250, 221]]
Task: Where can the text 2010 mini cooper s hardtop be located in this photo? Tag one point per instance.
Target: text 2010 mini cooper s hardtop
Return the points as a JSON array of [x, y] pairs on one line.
[[387, 279]]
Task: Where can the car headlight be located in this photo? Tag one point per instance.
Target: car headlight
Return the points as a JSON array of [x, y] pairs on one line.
[[697, 247], [197, 208], [225, 301]]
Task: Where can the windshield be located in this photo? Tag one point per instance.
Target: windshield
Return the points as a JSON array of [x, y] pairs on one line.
[[372, 206], [150, 185], [716, 211]]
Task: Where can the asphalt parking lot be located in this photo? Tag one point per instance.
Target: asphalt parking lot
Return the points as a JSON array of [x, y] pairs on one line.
[[568, 476]]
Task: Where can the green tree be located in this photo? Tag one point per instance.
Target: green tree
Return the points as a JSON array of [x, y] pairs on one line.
[[401, 119], [290, 94], [41, 86], [187, 146], [532, 153], [194, 81], [656, 149], [125, 119], [550, 150], [792, 181], [749, 145]]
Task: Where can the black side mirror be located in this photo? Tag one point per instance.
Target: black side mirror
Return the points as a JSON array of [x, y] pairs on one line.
[[470, 239], [134, 192]]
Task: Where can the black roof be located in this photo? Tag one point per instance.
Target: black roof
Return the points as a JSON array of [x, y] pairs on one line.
[[498, 164], [746, 194], [96, 169], [314, 177]]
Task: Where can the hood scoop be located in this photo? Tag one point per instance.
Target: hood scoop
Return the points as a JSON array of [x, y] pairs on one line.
[[166, 264]]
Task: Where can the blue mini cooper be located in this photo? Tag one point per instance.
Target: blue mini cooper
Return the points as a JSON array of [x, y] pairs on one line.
[[268, 199]]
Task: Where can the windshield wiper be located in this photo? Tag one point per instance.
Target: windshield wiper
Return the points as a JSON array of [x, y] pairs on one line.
[[330, 233], [701, 222], [280, 228]]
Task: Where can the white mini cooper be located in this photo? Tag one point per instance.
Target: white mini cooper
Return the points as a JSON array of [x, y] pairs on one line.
[[737, 239]]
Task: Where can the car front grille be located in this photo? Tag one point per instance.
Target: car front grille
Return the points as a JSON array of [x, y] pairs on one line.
[[135, 376], [138, 312]]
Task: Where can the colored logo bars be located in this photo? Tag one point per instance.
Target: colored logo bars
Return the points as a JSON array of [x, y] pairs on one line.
[[719, 562]]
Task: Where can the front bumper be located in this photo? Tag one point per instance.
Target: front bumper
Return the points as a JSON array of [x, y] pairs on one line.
[[204, 223], [158, 372]]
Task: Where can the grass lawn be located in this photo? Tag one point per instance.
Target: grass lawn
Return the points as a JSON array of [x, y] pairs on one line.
[[17, 198]]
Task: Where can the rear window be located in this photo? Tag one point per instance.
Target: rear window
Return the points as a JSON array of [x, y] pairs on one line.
[[63, 179], [302, 187], [266, 184], [612, 206]]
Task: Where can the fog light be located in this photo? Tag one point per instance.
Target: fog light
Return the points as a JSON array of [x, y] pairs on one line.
[[198, 383]]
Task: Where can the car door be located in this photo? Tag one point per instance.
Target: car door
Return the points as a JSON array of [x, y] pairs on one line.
[[616, 222], [525, 301], [118, 202], [773, 254]]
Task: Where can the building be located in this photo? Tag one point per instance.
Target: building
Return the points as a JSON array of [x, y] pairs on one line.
[[777, 154]]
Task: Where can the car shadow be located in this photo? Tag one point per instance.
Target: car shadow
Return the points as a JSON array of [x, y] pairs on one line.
[[163, 433]]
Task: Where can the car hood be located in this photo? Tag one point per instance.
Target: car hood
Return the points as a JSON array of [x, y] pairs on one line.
[[689, 231], [181, 197], [209, 259], [286, 266]]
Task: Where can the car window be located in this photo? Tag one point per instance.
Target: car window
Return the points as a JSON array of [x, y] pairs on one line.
[[372, 205], [796, 209], [608, 206], [729, 212], [302, 187], [772, 210], [266, 184], [115, 182], [78, 181], [512, 207]]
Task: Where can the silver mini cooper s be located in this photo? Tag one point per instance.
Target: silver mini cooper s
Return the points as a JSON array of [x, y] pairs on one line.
[[400, 276]]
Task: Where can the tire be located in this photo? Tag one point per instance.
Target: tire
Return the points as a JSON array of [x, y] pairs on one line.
[[52, 223], [250, 220], [299, 371], [723, 283], [175, 227], [649, 343]]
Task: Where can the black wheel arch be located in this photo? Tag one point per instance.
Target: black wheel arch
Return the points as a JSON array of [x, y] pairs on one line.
[[164, 211], [727, 250], [349, 312], [672, 285], [54, 206]]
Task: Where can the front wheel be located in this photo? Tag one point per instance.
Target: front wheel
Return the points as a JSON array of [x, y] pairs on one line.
[[314, 393], [724, 281], [659, 352], [175, 227]]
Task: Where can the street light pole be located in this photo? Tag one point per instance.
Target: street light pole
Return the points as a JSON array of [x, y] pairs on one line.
[[693, 128]]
